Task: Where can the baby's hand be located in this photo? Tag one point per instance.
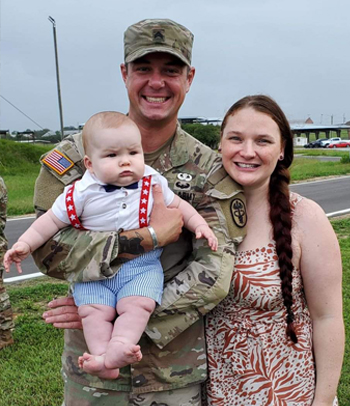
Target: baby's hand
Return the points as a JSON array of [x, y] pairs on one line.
[[204, 231], [16, 254]]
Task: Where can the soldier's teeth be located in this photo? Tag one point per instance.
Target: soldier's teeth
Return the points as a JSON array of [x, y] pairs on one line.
[[156, 99]]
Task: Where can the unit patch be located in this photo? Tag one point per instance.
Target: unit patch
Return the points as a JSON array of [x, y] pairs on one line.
[[183, 181], [238, 212], [57, 161]]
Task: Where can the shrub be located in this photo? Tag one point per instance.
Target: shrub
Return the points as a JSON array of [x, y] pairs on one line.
[[207, 134]]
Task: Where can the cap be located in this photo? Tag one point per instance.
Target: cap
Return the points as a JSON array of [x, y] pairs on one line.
[[158, 35]]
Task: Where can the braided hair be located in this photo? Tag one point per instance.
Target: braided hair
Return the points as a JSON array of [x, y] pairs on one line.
[[280, 207]]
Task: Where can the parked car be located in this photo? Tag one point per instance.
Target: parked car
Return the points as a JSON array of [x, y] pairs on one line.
[[324, 144], [340, 144], [315, 144]]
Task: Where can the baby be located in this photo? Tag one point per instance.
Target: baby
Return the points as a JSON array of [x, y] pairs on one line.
[[114, 193]]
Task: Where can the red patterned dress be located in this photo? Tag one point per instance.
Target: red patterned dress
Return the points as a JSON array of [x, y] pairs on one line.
[[251, 362]]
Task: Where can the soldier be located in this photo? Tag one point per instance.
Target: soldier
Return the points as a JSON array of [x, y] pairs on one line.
[[6, 318], [157, 74]]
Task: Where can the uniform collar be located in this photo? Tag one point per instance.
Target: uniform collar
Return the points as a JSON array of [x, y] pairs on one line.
[[176, 154]]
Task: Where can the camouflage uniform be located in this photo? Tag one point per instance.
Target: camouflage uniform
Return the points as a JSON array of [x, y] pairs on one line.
[[6, 321], [196, 279]]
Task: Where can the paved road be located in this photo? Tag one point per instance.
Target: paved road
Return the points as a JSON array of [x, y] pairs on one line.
[[333, 195], [14, 228]]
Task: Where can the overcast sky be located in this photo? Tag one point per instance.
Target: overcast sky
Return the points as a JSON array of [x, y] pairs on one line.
[[296, 51]]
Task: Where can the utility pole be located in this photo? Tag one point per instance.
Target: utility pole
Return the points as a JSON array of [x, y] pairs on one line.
[[57, 74]]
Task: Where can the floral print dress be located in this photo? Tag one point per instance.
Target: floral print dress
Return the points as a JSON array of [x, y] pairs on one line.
[[251, 361]]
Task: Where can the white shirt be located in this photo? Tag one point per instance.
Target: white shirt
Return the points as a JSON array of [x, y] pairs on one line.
[[99, 210]]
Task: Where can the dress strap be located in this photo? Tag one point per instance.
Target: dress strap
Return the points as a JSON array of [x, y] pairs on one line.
[[294, 199]]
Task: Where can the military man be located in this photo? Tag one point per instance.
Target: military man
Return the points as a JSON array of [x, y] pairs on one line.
[[6, 319], [157, 73]]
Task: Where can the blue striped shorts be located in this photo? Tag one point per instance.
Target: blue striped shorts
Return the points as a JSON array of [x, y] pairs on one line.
[[141, 276]]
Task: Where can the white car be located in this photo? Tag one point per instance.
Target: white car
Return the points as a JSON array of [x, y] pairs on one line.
[[324, 144]]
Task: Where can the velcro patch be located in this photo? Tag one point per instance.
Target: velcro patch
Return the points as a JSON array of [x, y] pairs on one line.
[[238, 212], [57, 161]]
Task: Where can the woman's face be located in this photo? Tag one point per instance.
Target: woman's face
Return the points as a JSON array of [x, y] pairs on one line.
[[251, 146]]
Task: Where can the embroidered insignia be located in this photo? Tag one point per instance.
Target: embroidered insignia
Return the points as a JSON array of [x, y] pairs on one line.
[[58, 162], [158, 35], [183, 182], [184, 176], [238, 212]]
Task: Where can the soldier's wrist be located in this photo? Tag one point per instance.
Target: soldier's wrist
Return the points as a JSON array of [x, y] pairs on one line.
[[153, 236]]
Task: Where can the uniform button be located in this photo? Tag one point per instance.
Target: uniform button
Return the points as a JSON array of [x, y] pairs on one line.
[[125, 193], [124, 205]]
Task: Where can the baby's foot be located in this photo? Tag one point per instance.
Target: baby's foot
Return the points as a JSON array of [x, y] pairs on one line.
[[95, 365], [120, 353]]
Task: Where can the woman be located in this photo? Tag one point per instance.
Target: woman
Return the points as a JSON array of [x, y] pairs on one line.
[[283, 316]]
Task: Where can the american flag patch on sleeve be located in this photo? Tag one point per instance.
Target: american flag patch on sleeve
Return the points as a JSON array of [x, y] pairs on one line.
[[58, 162]]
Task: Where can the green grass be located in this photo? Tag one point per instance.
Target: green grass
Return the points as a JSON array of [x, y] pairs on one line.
[[19, 167], [30, 369], [342, 228], [303, 169], [322, 152]]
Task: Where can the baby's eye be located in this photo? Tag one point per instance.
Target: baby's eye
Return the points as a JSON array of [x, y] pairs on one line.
[[133, 152], [112, 155]]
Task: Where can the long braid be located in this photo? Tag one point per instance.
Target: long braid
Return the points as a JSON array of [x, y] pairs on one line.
[[280, 216]]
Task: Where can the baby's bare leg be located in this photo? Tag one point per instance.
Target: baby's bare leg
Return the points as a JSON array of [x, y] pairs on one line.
[[134, 313], [98, 327]]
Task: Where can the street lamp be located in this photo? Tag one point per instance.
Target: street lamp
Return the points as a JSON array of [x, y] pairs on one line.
[[57, 74]]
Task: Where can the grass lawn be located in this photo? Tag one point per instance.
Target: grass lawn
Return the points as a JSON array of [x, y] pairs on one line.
[[30, 369], [303, 169]]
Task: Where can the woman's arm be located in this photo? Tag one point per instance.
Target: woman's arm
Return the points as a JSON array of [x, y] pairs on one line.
[[321, 270]]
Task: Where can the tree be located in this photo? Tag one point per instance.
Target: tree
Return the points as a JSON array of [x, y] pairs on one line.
[[207, 134]]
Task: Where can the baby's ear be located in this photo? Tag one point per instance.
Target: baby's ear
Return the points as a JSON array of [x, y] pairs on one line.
[[88, 164]]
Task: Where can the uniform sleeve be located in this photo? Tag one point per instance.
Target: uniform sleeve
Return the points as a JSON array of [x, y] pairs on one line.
[[72, 254], [199, 287], [3, 241], [168, 194]]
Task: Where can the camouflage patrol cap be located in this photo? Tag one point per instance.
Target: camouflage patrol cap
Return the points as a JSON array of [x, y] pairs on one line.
[[158, 35]]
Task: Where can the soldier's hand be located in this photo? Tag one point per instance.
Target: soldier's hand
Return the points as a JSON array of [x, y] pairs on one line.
[[63, 313], [167, 222]]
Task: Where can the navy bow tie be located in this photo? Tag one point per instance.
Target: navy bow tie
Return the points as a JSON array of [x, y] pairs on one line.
[[112, 188]]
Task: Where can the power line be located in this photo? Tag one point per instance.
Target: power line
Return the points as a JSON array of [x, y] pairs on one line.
[[21, 111]]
